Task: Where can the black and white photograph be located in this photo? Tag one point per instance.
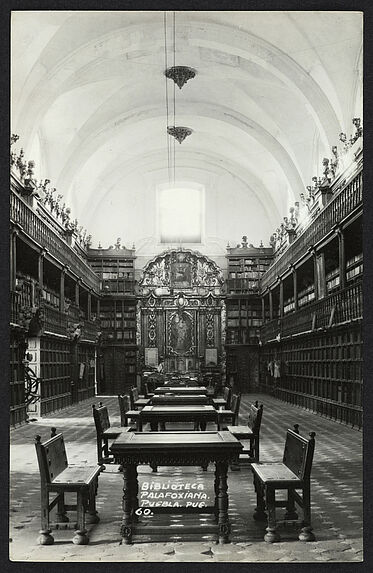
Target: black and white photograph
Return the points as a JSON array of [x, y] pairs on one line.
[[186, 286]]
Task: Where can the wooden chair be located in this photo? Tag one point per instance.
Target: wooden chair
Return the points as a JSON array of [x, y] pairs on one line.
[[126, 414], [249, 435], [136, 400], [147, 391], [232, 414], [225, 400], [104, 433], [56, 476], [292, 474]]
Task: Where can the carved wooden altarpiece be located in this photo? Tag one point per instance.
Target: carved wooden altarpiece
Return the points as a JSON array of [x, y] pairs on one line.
[[181, 309]]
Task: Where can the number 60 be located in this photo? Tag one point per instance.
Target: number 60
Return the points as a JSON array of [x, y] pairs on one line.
[[140, 511]]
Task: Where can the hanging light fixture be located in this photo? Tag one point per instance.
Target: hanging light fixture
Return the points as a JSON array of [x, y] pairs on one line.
[[179, 132], [180, 74]]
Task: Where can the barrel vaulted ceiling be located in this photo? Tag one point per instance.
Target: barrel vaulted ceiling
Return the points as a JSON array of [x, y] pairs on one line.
[[272, 92]]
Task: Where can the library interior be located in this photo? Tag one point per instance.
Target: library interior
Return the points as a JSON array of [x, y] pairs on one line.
[[186, 268]]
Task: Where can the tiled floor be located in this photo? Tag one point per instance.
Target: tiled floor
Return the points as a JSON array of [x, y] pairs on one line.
[[336, 489]]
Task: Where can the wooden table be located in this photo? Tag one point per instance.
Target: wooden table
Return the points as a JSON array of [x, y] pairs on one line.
[[179, 399], [175, 449], [182, 383], [200, 415], [194, 390]]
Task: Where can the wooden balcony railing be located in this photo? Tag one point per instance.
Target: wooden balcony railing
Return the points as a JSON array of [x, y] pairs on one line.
[[55, 321], [91, 328], [339, 307], [44, 234], [14, 306], [344, 203], [338, 411]]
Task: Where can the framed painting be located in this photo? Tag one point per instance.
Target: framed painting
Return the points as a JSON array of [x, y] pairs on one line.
[[181, 274]]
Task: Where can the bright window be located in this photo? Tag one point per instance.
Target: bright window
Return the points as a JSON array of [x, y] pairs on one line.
[[180, 215]]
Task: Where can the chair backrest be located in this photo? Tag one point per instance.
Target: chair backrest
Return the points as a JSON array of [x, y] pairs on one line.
[[135, 393], [298, 453], [227, 393], [124, 406], [255, 417], [52, 458], [101, 418], [235, 407]]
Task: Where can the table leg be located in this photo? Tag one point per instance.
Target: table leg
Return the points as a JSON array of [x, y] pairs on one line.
[[138, 424], [216, 490], [126, 527], [134, 492], [223, 521]]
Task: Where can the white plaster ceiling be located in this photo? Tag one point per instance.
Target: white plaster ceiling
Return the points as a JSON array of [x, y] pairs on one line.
[[273, 91]]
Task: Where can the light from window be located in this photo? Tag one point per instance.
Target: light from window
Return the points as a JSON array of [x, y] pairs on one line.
[[180, 215]]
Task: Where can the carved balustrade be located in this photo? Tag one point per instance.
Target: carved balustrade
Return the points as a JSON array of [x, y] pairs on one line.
[[43, 234], [15, 306], [91, 329], [339, 307], [343, 203], [55, 321]]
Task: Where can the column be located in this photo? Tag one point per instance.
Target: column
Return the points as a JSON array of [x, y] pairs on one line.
[[77, 292], [281, 297], [13, 258], [270, 305], [319, 272], [315, 274], [41, 267], [295, 287], [89, 305], [62, 289], [263, 309], [98, 309], [342, 258]]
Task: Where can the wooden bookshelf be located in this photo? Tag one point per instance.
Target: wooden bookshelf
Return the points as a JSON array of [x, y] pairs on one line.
[[115, 268]]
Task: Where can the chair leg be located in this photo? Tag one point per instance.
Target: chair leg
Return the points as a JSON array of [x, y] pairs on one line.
[[306, 533], [61, 516], [45, 537], [271, 536], [81, 537], [259, 513], [255, 447], [106, 447], [99, 450], [290, 507], [91, 515]]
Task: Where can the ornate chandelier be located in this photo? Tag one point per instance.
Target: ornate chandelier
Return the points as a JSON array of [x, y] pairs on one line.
[[180, 74], [179, 132]]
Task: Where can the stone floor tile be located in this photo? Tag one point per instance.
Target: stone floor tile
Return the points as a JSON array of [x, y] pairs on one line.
[[336, 495]]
